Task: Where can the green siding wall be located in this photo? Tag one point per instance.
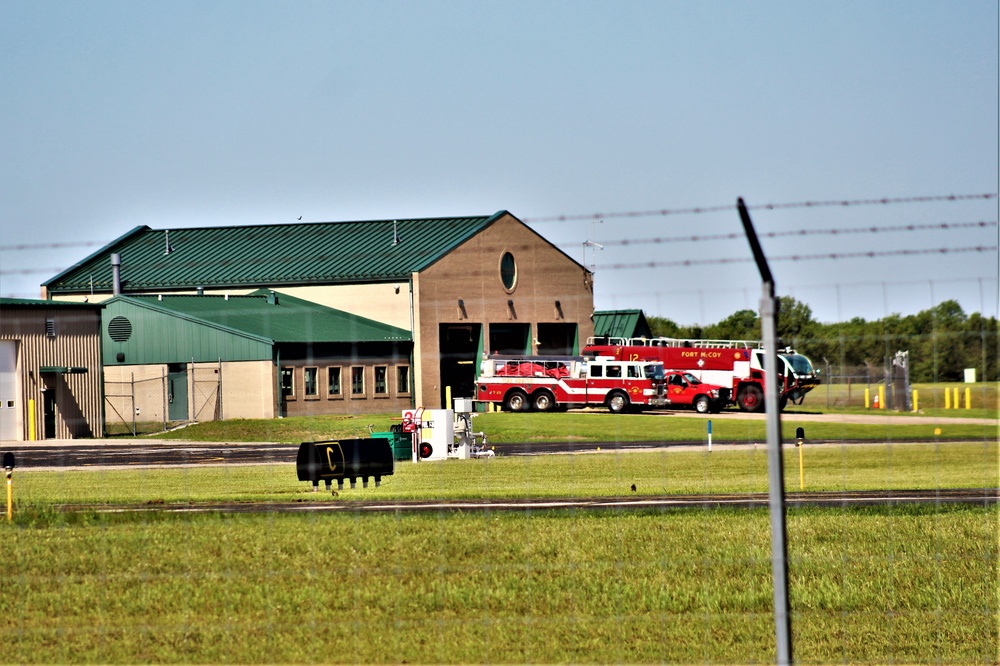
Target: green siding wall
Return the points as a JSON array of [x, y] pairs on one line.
[[158, 337]]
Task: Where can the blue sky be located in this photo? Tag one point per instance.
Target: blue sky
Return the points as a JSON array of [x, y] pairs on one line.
[[176, 114]]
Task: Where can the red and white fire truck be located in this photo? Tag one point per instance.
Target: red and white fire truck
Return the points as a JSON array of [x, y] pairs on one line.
[[735, 363], [545, 383]]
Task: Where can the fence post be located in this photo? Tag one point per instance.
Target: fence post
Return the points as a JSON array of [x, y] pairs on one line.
[[134, 408], [163, 393]]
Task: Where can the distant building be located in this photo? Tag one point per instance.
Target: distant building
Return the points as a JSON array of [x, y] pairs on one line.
[[50, 370], [621, 324], [460, 286]]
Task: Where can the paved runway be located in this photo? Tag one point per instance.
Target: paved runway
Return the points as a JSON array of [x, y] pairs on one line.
[[90, 454]]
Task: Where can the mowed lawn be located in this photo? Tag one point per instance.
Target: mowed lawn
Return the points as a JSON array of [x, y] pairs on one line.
[[894, 584]]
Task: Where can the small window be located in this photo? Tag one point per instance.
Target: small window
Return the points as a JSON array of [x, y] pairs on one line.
[[403, 379], [614, 371], [357, 381], [288, 382], [311, 382], [597, 371], [381, 374], [333, 381], [633, 372]]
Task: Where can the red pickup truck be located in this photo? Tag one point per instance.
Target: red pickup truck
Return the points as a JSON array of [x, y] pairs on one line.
[[684, 389]]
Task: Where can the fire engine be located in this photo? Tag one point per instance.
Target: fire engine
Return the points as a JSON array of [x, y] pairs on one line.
[[545, 383], [738, 364]]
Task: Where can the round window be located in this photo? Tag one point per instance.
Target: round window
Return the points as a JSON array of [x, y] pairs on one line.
[[508, 271]]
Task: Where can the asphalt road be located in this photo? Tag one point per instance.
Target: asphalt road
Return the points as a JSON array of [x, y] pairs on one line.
[[973, 496]]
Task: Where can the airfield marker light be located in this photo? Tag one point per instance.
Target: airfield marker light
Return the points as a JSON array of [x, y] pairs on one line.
[[710, 434]]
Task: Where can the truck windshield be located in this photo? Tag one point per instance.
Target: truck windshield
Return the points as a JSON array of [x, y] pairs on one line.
[[653, 371], [800, 364]]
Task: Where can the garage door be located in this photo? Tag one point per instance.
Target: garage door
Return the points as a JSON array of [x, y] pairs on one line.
[[8, 391]]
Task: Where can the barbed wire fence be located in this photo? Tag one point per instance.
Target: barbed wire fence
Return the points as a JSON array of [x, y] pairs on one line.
[[847, 383]]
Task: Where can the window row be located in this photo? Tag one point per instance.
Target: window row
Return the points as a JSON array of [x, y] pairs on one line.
[[334, 381]]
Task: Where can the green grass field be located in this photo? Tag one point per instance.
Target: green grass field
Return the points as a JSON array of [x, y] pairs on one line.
[[867, 586], [880, 585]]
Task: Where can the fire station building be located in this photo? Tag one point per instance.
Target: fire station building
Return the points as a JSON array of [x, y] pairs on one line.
[[440, 291]]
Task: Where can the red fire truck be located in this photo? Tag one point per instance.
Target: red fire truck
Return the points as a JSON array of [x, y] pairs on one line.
[[735, 363], [545, 383]]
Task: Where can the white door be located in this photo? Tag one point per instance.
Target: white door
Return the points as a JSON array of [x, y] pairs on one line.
[[8, 391]]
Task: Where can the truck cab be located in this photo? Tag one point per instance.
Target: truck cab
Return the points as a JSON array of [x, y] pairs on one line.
[[684, 389]]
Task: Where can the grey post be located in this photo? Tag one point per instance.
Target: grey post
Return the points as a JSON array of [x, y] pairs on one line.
[[775, 462]]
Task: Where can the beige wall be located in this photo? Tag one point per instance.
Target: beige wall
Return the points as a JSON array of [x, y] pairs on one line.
[[388, 303], [472, 273], [247, 391], [380, 302], [127, 387]]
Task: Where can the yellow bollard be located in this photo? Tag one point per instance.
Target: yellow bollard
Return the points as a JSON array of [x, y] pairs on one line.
[[968, 398], [956, 397], [867, 396], [881, 396], [31, 420], [916, 408], [447, 397], [947, 399], [8, 467]]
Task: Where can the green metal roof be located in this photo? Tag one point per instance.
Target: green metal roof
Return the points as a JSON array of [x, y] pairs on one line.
[[273, 255], [621, 324], [275, 317], [38, 303]]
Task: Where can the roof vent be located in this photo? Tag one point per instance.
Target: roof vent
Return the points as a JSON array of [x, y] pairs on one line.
[[396, 240], [166, 237], [272, 298]]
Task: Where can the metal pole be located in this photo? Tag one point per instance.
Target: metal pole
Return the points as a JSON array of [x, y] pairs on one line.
[[775, 462], [132, 385]]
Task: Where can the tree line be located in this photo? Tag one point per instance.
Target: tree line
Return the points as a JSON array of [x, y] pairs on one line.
[[942, 341]]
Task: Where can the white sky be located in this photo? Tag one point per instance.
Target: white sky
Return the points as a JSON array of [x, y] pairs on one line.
[[175, 114]]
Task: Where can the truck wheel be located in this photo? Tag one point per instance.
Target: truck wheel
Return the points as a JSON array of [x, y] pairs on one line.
[[751, 399], [701, 404], [782, 403], [515, 401], [543, 401], [617, 402]]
